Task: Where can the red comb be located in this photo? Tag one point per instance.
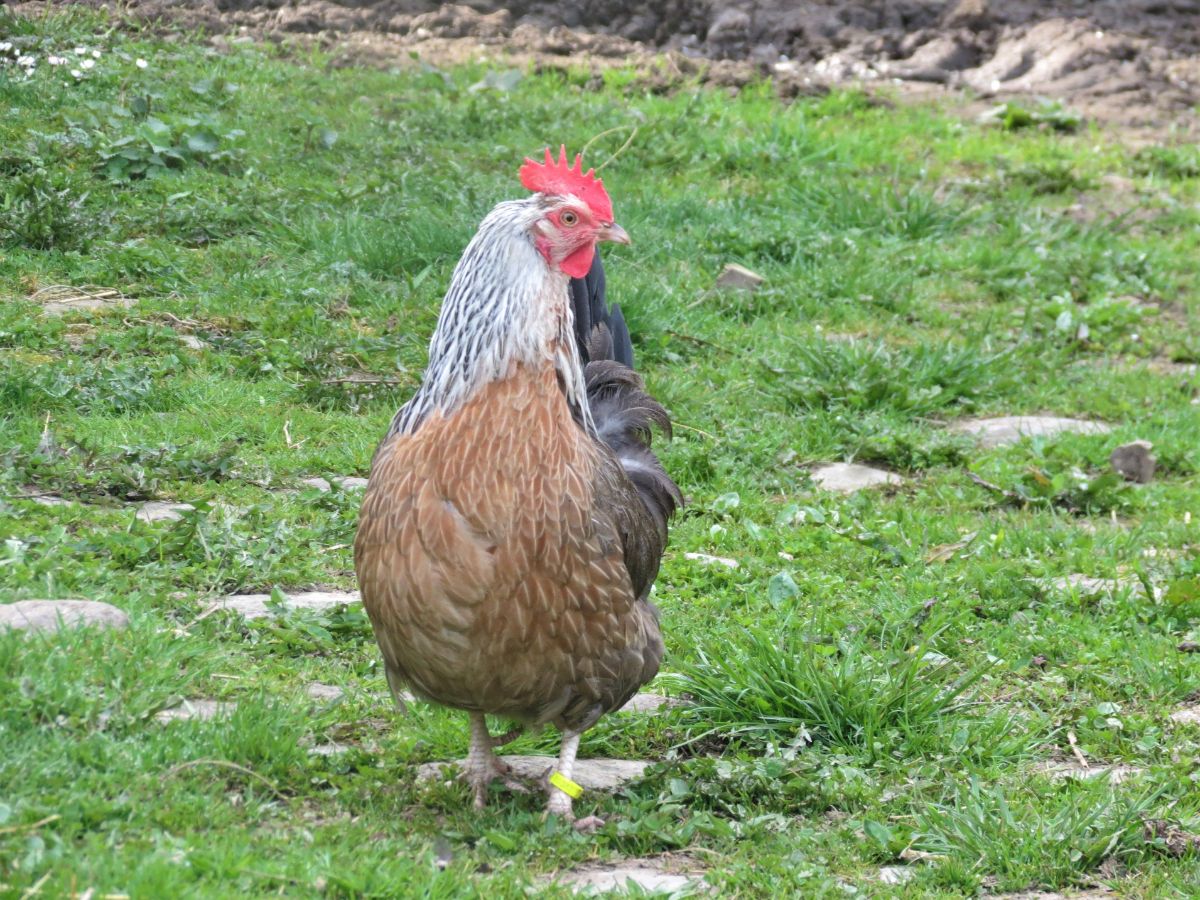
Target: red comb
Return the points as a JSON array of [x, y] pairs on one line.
[[558, 178]]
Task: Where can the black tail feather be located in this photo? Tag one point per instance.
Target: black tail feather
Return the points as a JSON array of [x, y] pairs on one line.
[[591, 311], [624, 414]]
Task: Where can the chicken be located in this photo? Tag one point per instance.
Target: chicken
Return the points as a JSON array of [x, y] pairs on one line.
[[515, 515]]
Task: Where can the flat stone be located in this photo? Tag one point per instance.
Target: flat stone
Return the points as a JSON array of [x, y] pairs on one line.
[[649, 702], [162, 511], [1011, 429], [896, 874], [32, 494], [847, 478], [710, 560], [645, 875], [58, 300], [1134, 461], [345, 482], [254, 606], [1189, 715], [1062, 769], [1088, 585], [590, 774], [1097, 894], [332, 749], [199, 710], [324, 692], [51, 615], [192, 342], [738, 278]]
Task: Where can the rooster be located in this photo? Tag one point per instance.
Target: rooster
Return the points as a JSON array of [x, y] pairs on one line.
[[515, 515]]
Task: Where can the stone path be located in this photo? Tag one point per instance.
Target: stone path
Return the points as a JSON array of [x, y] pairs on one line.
[[847, 478], [199, 710], [59, 299], [345, 482], [1072, 769], [590, 774], [1004, 430], [162, 511], [51, 615], [649, 702], [1189, 715], [648, 874], [326, 693], [710, 560], [254, 606]]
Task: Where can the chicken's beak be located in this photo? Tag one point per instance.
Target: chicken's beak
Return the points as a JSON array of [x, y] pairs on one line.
[[613, 232]]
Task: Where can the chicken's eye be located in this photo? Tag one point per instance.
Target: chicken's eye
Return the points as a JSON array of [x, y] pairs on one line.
[[569, 218]]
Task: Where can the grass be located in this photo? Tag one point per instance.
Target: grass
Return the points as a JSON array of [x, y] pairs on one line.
[[878, 682]]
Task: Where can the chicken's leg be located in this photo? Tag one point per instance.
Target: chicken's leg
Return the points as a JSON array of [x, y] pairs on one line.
[[560, 801], [483, 765]]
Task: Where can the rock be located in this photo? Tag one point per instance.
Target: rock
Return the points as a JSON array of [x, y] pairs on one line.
[[1089, 586], [192, 342], [58, 300], [331, 749], [590, 774], [345, 482], [1060, 769], [896, 874], [51, 615], [850, 477], [729, 31], [649, 702], [1189, 715], [738, 278], [30, 492], [200, 710], [1134, 461], [254, 606], [1011, 429], [972, 14], [709, 560], [649, 876], [162, 511], [324, 692]]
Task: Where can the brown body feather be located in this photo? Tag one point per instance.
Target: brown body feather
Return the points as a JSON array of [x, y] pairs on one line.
[[505, 557]]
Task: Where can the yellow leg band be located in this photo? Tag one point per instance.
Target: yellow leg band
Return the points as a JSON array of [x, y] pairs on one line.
[[566, 785]]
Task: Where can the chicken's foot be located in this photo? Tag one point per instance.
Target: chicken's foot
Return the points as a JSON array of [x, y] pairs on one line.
[[484, 766], [560, 801]]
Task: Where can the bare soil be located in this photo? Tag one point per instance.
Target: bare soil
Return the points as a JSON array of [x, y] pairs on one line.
[[1131, 63]]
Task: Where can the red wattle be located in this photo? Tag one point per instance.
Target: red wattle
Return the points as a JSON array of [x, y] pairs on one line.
[[579, 263]]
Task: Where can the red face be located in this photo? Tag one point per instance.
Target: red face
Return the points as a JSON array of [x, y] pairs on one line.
[[567, 236]]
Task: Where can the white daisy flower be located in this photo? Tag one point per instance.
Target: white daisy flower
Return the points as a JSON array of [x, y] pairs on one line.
[[76, 73], [26, 61], [5, 45], [79, 51], [55, 60], [88, 63], [95, 54], [141, 64]]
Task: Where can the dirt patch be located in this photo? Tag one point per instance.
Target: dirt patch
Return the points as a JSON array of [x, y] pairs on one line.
[[1134, 63]]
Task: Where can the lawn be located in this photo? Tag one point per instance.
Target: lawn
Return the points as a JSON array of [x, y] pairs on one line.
[[889, 680]]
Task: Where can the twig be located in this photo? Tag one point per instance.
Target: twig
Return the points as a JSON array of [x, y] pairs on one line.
[[994, 488], [711, 437], [620, 150], [223, 763], [12, 829], [364, 379], [1075, 749], [36, 887], [700, 341]]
